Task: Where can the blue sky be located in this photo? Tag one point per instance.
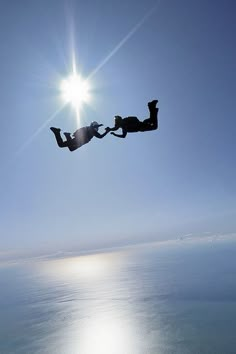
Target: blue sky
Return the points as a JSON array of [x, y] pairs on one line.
[[161, 184]]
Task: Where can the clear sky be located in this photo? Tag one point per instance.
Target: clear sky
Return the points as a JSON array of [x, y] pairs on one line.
[[179, 179]]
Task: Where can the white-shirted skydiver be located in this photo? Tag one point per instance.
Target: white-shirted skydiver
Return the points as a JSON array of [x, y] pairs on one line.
[[80, 137], [134, 125]]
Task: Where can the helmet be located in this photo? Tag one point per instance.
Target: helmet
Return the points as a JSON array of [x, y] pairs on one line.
[[95, 125]]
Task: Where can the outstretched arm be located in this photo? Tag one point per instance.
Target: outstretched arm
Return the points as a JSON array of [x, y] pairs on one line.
[[100, 136], [123, 135], [112, 129]]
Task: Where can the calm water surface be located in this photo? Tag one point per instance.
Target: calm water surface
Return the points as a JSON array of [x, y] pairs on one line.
[[172, 298]]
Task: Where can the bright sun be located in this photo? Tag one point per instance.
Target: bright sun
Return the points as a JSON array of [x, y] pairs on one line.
[[75, 90]]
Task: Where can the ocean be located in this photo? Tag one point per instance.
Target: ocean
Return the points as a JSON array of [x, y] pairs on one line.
[[163, 298]]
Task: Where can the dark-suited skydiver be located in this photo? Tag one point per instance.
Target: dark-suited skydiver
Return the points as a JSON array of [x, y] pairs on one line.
[[133, 124], [79, 137]]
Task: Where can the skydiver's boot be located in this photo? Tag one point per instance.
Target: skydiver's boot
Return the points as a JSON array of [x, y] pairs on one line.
[[152, 104], [55, 130]]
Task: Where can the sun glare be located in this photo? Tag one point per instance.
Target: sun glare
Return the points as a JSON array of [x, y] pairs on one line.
[[75, 91], [89, 267]]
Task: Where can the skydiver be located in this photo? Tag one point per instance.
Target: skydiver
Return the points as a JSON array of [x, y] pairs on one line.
[[133, 124], [80, 137]]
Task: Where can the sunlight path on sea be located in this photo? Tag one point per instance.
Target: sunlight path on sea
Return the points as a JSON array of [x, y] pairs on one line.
[[97, 303]]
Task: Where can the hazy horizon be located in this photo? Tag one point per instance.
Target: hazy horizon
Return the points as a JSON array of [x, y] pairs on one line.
[[19, 256]]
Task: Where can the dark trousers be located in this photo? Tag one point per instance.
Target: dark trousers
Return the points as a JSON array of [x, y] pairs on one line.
[[150, 123], [71, 143]]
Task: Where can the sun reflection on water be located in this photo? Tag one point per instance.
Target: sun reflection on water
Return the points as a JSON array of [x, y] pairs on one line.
[[88, 267], [107, 333], [99, 318]]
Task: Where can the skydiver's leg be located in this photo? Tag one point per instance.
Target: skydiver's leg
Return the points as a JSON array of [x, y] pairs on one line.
[[57, 133], [72, 146], [68, 137], [152, 122], [72, 143]]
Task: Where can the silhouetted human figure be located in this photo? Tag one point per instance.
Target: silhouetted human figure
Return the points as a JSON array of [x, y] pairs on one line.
[[133, 124], [79, 137]]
